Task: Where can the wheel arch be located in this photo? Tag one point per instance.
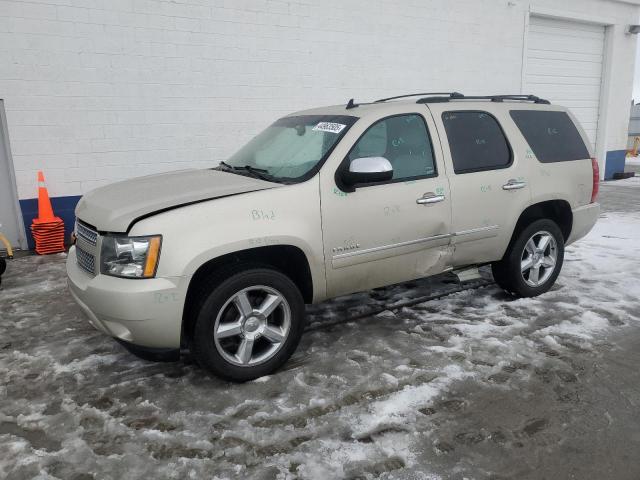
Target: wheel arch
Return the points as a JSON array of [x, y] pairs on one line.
[[287, 259], [557, 210]]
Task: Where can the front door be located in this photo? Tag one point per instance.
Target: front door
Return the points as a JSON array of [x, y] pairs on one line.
[[10, 221], [393, 231]]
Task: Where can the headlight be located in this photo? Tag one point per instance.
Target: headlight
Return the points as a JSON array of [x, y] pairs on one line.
[[130, 257]]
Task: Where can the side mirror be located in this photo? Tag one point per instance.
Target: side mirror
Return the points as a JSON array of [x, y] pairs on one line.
[[367, 170]]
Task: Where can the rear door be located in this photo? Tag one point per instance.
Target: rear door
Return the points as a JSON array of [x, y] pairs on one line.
[[488, 178]]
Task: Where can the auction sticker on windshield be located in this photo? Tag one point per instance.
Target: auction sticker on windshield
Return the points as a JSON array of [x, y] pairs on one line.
[[329, 127]]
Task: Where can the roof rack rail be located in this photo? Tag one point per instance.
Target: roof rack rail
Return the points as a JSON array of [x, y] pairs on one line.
[[493, 98], [352, 104], [437, 97], [417, 95]]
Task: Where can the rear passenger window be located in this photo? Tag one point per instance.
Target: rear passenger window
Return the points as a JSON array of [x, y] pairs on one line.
[[476, 141], [552, 136]]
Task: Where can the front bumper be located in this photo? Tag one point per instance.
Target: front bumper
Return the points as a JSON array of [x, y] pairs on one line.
[[584, 218], [145, 312]]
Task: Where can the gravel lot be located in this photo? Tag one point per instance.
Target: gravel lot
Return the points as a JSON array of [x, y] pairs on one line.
[[473, 384]]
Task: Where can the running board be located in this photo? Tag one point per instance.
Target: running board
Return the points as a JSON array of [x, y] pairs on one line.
[[467, 274]]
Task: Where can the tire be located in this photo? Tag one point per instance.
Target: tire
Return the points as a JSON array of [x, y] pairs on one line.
[[3, 265], [242, 341], [516, 272]]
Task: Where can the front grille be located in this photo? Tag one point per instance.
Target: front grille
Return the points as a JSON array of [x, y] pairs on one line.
[[86, 260], [87, 233]]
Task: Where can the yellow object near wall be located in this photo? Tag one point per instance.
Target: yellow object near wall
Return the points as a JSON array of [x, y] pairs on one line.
[[7, 245]]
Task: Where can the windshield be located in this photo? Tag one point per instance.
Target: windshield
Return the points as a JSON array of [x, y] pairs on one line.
[[292, 149]]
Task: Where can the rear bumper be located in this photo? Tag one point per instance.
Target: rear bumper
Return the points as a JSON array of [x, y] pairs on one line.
[[584, 218], [141, 312]]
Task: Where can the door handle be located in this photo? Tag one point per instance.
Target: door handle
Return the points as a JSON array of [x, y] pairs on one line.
[[514, 185], [429, 198]]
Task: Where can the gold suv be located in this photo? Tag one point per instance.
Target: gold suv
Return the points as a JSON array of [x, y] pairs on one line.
[[326, 202]]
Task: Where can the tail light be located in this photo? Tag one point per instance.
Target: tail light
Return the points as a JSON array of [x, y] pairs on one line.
[[596, 179]]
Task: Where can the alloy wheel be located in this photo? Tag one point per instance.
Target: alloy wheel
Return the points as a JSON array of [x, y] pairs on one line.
[[252, 325], [539, 258]]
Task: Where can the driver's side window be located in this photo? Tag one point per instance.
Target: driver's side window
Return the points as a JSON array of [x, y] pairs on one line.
[[404, 141]]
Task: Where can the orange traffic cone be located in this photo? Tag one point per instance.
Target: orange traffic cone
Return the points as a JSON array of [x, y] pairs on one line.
[[47, 229], [45, 211]]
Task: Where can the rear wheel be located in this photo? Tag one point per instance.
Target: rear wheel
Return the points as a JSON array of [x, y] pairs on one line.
[[533, 261], [248, 324]]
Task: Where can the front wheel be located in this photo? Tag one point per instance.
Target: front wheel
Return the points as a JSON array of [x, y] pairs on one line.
[[533, 261], [248, 324]]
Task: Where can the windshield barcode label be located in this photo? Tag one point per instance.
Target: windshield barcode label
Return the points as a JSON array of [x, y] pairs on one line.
[[329, 127]]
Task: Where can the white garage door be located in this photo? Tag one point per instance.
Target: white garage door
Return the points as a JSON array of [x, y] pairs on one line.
[[564, 65]]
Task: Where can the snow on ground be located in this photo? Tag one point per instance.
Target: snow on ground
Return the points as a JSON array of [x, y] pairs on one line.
[[365, 396], [628, 182], [633, 160]]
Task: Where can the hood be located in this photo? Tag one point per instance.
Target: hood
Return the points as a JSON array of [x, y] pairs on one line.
[[115, 207]]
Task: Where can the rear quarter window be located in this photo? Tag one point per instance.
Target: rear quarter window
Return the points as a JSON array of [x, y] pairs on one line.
[[476, 141], [552, 136]]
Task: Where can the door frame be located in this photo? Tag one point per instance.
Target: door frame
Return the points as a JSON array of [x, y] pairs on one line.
[[4, 134]]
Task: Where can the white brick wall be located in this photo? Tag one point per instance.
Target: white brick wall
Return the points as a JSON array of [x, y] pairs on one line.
[[100, 90]]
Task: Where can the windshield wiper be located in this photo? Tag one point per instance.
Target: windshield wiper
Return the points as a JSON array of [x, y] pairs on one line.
[[256, 172], [225, 164], [260, 173]]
